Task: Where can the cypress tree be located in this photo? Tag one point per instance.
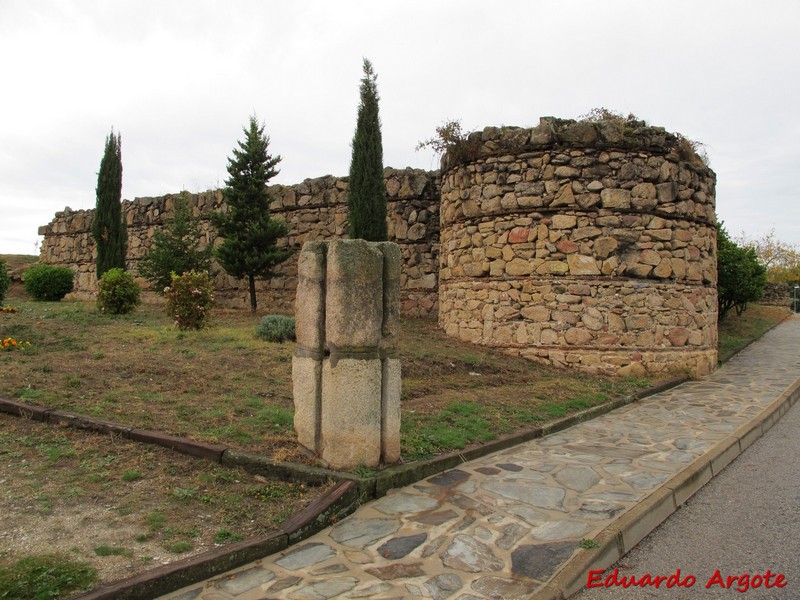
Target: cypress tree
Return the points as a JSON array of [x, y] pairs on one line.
[[367, 194], [249, 248], [109, 231]]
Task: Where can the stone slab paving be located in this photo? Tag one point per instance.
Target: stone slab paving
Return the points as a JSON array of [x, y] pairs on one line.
[[500, 526]]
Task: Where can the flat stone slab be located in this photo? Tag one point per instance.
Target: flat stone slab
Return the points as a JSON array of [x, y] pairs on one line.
[[400, 547], [306, 556], [469, 555], [358, 533], [541, 561], [246, 580], [405, 503], [534, 495]]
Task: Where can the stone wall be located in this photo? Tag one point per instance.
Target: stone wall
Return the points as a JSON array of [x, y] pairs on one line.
[[778, 294], [584, 244], [315, 209], [581, 244]]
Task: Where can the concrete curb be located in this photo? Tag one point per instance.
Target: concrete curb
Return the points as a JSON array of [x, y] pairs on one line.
[[337, 503], [619, 538]]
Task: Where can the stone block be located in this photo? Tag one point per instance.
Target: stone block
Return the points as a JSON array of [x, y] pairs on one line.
[[390, 410], [390, 326], [615, 198], [350, 433], [310, 296], [307, 392], [580, 264], [354, 301]]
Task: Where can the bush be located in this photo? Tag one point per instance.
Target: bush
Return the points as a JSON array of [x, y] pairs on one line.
[[46, 282], [189, 299], [5, 280], [117, 292], [276, 328]]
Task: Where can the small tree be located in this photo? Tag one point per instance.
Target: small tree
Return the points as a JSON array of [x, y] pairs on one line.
[[740, 276], [176, 248], [108, 229], [782, 259], [249, 248], [366, 200]]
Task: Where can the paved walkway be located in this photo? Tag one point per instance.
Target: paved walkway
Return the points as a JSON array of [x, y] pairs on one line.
[[503, 525]]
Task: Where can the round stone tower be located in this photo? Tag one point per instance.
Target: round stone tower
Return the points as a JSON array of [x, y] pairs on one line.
[[582, 244]]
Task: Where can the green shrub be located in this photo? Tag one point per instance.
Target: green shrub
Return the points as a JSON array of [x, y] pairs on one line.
[[46, 282], [5, 280], [44, 577], [117, 292], [189, 299], [276, 328]]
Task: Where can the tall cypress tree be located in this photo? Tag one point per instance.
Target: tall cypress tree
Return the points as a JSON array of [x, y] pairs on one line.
[[249, 248], [109, 231], [367, 196]]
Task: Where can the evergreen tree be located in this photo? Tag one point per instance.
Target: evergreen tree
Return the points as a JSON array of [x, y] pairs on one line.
[[367, 196], [109, 230], [249, 248], [176, 248]]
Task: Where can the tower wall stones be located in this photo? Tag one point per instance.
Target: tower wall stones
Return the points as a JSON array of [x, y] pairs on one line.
[[581, 244], [315, 209]]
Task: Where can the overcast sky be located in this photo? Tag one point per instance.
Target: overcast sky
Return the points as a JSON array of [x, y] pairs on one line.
[[179, 78]]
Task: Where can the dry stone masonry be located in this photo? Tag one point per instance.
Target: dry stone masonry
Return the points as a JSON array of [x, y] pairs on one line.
[[345, 373], [314, 209], [581, 244]]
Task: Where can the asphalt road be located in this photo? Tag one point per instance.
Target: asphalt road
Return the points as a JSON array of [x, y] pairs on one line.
[[745, 521]]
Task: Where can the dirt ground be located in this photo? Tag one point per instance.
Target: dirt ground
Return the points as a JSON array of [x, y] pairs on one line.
[[122, 506]]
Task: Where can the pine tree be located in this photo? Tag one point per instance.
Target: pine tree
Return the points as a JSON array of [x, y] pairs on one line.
[[109, 231], [367, 196], [176, 248], [249, 248]]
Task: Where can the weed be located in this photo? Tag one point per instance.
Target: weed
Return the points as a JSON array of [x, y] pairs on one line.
[[105, 550], [185, 493], [131, 476], [44, 577], [224, 535], [364, 472], [156, 521], [588, 544], [179, 547]]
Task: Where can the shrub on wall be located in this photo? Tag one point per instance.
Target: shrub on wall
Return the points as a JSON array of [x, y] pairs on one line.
[[189, 299], [46, 282], [117, 292], [276, 328], [5, 280]]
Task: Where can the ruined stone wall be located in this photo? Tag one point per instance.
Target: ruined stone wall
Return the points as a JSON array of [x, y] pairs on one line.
[[314, 209], [581, 244], [585, 244]]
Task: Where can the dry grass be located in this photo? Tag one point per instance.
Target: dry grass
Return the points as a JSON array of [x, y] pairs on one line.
[[224, 385]]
